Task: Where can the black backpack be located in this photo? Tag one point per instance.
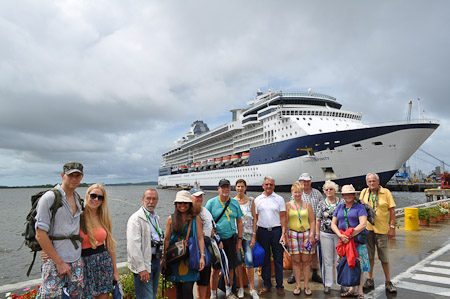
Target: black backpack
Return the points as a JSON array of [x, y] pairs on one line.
[[30, 223]]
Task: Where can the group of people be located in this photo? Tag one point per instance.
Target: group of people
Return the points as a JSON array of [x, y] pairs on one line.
[[80, 248]]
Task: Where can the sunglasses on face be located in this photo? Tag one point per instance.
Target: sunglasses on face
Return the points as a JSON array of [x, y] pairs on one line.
[[329, 189], [182, 203], [96, 196]]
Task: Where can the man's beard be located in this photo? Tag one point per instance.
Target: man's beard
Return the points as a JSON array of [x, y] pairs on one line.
[[150, 208]]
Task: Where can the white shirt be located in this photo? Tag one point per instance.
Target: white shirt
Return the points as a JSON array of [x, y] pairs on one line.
[[207, 221], [268, 209]]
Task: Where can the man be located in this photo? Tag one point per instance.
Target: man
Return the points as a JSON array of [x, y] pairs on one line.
[[227, 214], [144, 246], [384, 229], [313, 196], [64, 251], [207, 222], [270, 211]]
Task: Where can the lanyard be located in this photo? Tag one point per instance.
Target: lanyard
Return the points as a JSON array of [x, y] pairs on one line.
[[374, 200], [155, 226], [331, 208], [345, 214], [226, 210], [296, 207]]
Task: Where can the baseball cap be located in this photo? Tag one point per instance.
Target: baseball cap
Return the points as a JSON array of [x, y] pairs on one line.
[[305, 177], [72, 166], [196, 192], [224, 182]]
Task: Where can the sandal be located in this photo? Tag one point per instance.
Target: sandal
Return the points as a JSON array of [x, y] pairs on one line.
[[310, 292], [297, 291], [361, 296], [349, 294]]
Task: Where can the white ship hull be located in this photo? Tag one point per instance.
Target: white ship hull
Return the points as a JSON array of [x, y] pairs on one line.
[[344, 156]]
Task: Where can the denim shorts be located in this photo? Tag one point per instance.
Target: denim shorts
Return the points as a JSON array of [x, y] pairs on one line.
[[248, 254]]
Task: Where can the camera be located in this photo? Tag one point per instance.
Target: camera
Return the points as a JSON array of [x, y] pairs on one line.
[[159, 247]]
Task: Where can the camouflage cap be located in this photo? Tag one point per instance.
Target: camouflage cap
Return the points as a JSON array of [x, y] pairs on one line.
[[71, 167]]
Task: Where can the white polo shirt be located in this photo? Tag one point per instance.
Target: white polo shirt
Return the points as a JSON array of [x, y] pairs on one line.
[[268, 209]]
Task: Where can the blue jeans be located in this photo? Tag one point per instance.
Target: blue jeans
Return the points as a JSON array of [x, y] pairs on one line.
[[248, 254], [271, 239], [148, 290]]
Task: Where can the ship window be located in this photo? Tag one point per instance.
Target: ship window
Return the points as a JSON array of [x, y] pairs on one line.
[[298, 118], [309, 124], [310, 118], [326, 143], [304, 118], [337, 141], [377, 143], [357, 145]]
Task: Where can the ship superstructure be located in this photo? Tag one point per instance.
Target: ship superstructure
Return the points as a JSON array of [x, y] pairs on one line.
[[283, 134]]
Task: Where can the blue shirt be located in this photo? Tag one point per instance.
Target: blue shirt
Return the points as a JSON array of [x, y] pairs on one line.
[[225, 228], [353, 215]]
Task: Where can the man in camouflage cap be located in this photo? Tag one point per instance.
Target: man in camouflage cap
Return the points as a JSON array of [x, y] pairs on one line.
[[64, 253]]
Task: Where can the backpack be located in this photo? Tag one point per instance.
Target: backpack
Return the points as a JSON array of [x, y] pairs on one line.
[[30, 223], [369, 209]]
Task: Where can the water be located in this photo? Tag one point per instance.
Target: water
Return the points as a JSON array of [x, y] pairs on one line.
[[123, 201]]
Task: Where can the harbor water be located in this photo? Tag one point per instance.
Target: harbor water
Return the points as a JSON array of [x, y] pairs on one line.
[[123, 201]]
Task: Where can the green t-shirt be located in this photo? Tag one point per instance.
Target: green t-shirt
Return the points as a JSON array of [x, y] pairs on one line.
[[226, 226]]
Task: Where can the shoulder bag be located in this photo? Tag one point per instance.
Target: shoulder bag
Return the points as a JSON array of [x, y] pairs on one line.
[[178, 250]]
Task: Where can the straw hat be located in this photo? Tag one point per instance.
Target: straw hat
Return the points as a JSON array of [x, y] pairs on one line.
[[183, 196], [348, 189]]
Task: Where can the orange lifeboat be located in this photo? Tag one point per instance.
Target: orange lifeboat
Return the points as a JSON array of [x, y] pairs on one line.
[[210, 161], [235, 158], [226, 160], [245, 156], [218, 161]]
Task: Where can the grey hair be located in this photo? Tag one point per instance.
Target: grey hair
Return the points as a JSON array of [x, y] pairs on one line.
[[268, 177], [331, 184], [374, 174], [150, 189]]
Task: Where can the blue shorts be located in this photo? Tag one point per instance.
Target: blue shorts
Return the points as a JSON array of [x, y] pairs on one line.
[[248, 254]]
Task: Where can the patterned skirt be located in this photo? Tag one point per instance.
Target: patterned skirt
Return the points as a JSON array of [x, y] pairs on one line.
[[98, 274], [297, 241]]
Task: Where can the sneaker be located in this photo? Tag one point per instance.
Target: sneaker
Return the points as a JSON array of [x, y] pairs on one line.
[[291, 279], [369, 284], [231, 296], [390, 287], [254, 294], [241, 293]]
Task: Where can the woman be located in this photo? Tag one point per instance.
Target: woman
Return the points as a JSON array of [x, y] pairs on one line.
[[98, 253], [300, 222], [177, 227], [248, 209], [352, 216], [328, 239]]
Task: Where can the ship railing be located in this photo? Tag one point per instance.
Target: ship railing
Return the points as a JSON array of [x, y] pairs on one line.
[[405, 122], [307, 94]]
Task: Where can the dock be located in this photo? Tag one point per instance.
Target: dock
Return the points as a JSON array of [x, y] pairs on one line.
[[412, 187]]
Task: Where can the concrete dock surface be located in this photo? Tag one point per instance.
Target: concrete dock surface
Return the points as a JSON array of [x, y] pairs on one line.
[[420, 268]]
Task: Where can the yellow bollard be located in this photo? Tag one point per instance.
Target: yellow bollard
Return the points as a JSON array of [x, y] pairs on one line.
[[411, 219]]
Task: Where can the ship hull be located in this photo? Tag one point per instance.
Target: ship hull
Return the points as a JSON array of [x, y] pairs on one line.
[[342, 156]]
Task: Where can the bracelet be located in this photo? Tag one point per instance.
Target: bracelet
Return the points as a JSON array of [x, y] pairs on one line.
[[240, 238], [253, 233], [202, 254]]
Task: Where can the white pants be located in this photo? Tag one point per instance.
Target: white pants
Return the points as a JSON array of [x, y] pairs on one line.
[[329, 257]]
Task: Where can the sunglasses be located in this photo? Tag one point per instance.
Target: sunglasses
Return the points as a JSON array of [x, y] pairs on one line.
[[183, 203], [329, 189], [96, 196]]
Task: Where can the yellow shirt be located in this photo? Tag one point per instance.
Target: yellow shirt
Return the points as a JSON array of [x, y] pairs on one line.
[[383, 202], [294, 221]]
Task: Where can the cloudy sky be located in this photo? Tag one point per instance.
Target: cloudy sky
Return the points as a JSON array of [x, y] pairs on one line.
[[113, 83]]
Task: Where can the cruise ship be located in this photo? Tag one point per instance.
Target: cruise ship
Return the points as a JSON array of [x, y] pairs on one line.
[[283, 134]]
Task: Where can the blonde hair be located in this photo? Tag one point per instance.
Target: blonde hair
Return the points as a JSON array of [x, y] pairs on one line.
[[332, 185], [297, 185], [105, 219]]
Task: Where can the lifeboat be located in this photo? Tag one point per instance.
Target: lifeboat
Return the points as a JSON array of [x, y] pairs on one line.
[[218, 161], [235, 158], [210, 161], [182, 167], [245, 156], [203, 162], [197, 165], [226, 160]]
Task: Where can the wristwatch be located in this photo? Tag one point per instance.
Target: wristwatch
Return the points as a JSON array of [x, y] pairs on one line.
[[392, 226]]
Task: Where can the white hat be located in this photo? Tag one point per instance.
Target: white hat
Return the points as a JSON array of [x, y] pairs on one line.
[[183, 196], [348, 189], [305, 177], [196, 192]]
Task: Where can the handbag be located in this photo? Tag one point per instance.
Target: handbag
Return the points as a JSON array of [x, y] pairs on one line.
[[178, 250], [258, 255], [117, 292], [194, 252], [361, 238], [213, 251], [346, 276]]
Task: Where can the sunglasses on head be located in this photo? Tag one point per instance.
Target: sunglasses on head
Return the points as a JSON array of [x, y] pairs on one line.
[[94, 196]]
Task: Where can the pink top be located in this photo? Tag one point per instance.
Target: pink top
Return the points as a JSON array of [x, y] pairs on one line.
[[99, 234]]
